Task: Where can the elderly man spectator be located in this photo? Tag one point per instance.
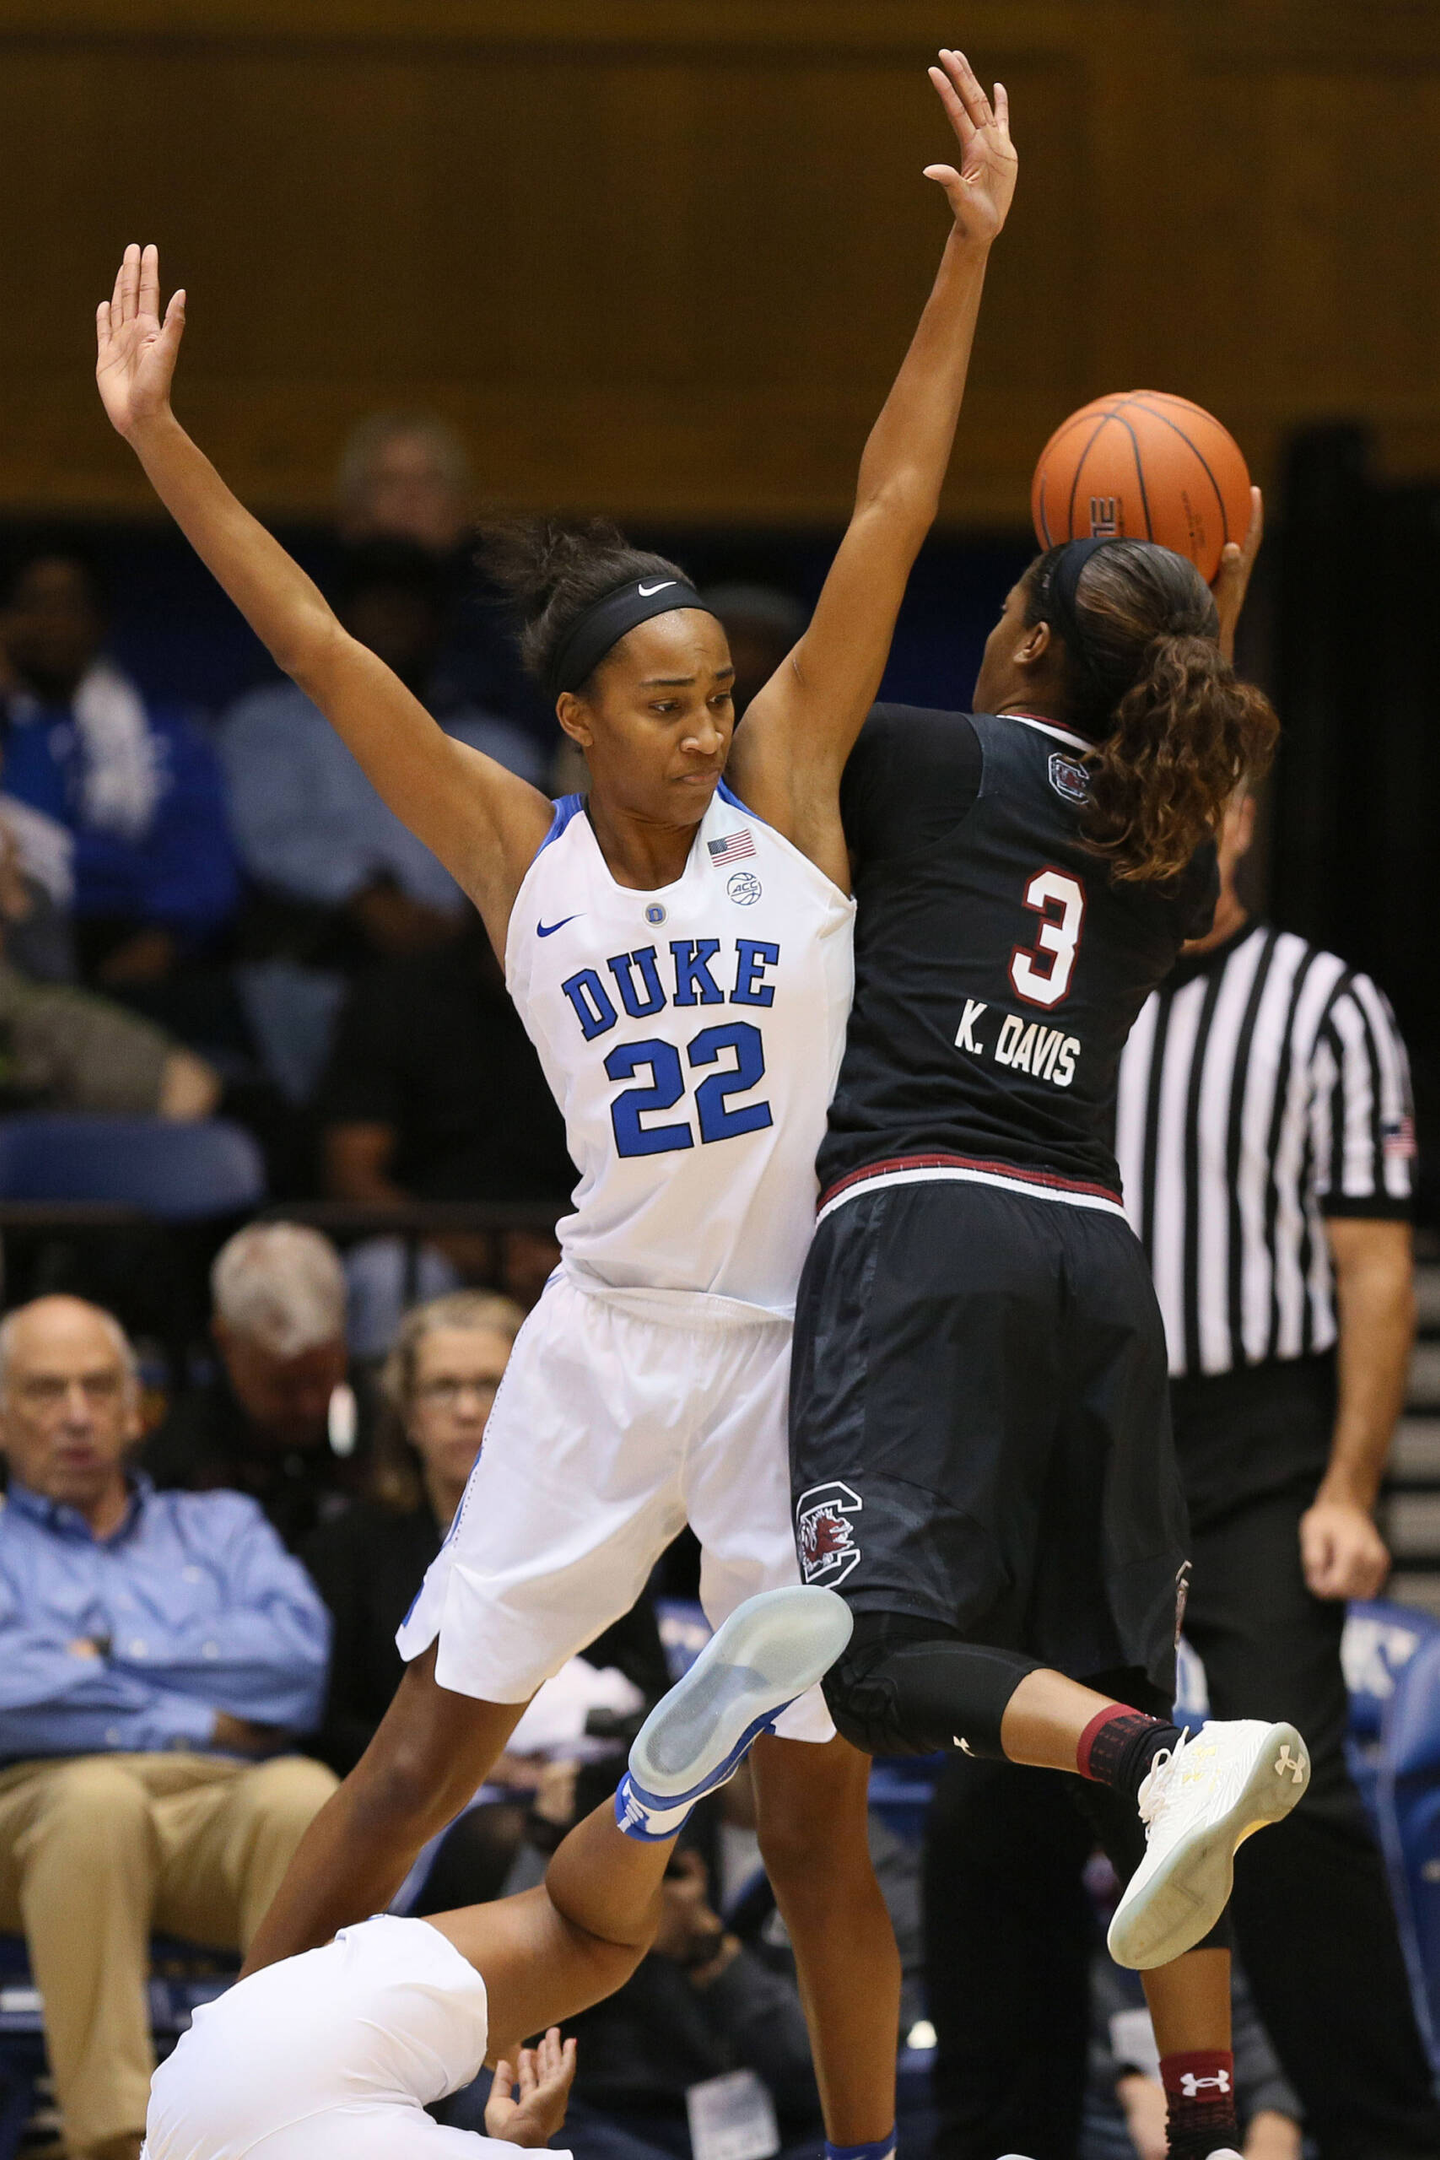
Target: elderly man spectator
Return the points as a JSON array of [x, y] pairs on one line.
[[155, 1651], [278, 1418], [134, 783]]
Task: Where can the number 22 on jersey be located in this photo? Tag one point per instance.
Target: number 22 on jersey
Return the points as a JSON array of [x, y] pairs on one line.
[[660, 1060], [1040, 974]]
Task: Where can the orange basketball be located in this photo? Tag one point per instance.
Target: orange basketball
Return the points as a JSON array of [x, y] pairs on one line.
[[1144, 466]]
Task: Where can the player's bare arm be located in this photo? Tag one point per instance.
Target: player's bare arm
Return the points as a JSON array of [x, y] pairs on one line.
[[480, 820], [789, 755]]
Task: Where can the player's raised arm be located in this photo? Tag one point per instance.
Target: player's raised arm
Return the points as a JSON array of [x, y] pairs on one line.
[[798, 732], [482, 822]]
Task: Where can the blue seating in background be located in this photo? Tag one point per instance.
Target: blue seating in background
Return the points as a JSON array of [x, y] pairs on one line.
[[179, 1172], [1406, 1801]]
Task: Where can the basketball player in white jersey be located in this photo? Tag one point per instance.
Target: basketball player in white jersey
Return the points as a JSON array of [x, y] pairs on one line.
[[336, 2054], [680, 955]]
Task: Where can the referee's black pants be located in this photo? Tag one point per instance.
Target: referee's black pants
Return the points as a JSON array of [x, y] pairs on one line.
[[1313, 1921]]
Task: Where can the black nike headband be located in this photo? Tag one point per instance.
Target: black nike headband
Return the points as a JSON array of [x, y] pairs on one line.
[[601, 626], [1057, 597]]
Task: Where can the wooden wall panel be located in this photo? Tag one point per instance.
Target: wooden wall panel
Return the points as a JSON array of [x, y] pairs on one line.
[[663, 258]]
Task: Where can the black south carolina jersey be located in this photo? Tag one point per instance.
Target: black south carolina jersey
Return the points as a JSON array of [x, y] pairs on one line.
[[998, 965]]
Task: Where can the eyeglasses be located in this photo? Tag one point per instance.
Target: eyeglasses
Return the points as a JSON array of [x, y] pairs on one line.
[[446, 1394]]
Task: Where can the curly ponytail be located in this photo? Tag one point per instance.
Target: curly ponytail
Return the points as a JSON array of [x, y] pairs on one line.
[[1175, 730]]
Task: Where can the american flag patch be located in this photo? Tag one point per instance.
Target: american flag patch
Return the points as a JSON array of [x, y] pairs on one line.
[[733, 848], [1400, 1137]]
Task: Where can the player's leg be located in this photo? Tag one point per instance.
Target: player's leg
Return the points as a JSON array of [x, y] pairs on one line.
[[958, 1351], [540, 1957], [551, 1952], [812, 1817], [811, 1788], [432, 1750], [571, 1498], [1189, 1997]]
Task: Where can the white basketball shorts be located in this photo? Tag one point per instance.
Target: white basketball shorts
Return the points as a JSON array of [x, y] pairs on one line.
[[622, 1416], [333, 2055]]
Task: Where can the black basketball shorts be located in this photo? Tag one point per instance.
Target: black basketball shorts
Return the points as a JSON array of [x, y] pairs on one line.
[[980, 1424]]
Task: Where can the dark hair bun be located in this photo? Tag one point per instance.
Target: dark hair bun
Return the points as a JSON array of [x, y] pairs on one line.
[[553, 569]]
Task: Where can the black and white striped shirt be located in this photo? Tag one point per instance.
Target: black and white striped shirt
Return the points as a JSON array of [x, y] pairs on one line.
[[1264, 1087]]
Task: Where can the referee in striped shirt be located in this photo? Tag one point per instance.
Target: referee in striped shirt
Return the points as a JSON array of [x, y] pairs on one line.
[[1266, 1145]]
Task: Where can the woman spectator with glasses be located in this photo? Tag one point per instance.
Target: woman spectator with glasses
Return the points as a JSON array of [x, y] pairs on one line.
[[438, 1385]]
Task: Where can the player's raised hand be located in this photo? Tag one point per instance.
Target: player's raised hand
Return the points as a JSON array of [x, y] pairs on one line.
[[135, 349], [527, 2104], [1232, 579], [981, 191]]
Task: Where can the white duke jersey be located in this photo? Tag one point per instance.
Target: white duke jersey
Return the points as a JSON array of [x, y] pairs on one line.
[[692, 1037]]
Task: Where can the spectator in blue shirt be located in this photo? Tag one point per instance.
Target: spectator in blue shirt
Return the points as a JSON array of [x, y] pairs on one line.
[[337, 882], [136, 783], [311, 828], [156, 1650]]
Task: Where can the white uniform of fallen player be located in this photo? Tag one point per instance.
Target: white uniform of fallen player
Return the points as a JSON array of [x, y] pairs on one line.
[[333, 2055], [692, 1037]]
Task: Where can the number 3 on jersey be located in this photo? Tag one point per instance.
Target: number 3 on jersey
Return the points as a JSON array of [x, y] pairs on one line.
[[1041, 974], [661, 1061]]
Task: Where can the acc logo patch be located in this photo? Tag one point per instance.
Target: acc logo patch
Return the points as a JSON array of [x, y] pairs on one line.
[[825, 1532], [744, 888], [1069, 778]]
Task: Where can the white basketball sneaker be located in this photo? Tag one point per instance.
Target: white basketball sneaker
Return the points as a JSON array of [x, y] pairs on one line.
[[770, 1650], [1200, 1802]]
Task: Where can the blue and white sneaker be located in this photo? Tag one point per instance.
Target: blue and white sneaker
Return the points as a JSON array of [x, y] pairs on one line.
[[768, 1652]]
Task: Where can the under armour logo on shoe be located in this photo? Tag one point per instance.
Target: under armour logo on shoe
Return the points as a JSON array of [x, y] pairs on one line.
[[1295, 1764], [1193, 2086]]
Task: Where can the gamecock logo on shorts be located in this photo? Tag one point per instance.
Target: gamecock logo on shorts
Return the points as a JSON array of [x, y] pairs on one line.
[[826, 1533]]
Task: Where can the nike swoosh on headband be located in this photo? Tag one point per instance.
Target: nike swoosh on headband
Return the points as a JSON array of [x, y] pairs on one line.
[[646, 590], [549, 929]]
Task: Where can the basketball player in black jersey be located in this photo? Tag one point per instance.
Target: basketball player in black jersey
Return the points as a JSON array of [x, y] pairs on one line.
[[980, 1438]]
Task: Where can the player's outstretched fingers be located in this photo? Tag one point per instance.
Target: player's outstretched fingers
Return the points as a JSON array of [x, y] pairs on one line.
[[150, 281], [970, 88], [130, 283], [954, 104]]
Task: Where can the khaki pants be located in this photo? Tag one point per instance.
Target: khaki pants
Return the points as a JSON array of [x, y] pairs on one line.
[[98, 1850]]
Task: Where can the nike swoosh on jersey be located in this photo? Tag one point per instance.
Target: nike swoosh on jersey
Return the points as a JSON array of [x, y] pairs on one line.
[[647, 590], [549, 929]]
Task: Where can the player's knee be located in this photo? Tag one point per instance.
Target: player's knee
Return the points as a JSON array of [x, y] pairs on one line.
[[862, 1698], [405, 1781]]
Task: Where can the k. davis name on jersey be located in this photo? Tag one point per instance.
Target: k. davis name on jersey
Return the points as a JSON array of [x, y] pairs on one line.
[[1047, 1053]]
